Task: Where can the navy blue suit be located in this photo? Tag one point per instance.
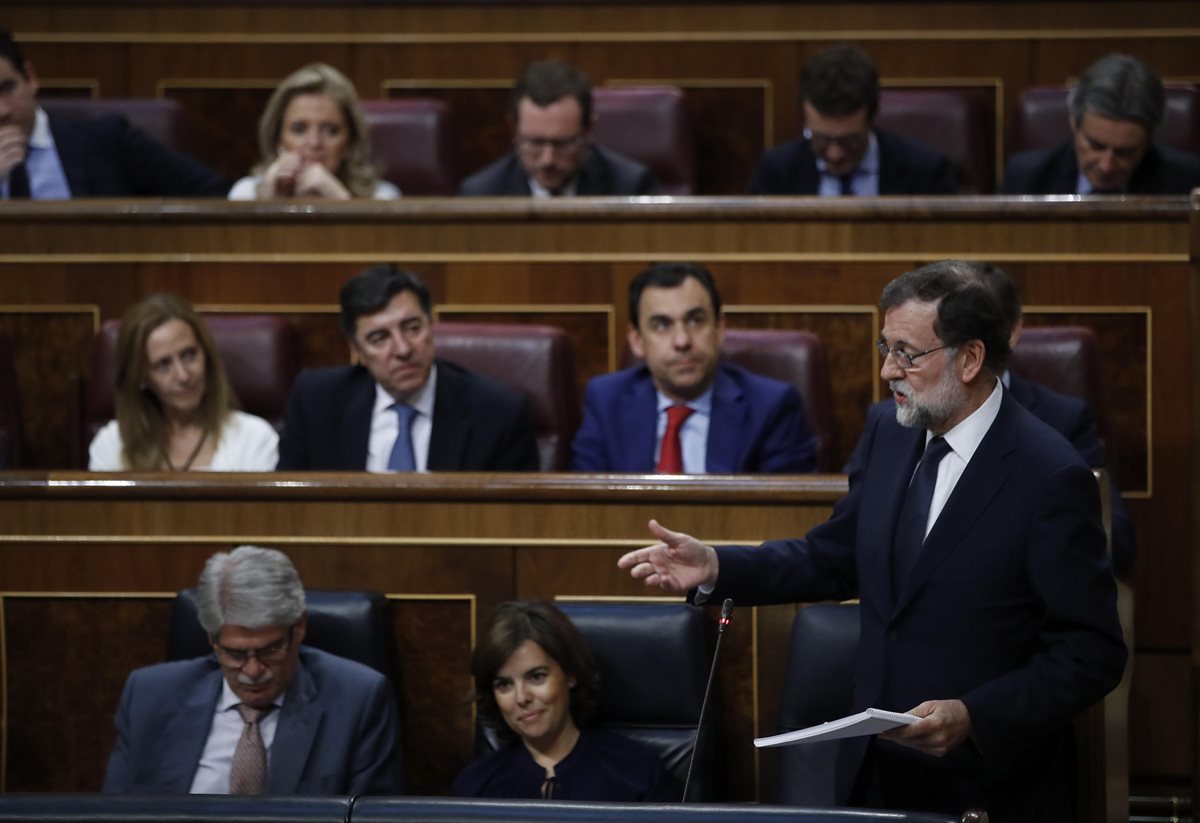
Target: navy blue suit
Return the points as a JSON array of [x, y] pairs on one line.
[[1010, 607], [108, 157], [757, 425], [478, 424], [905, 167], [1163, 170], [602, 172], [337, 732], [1074, 420]]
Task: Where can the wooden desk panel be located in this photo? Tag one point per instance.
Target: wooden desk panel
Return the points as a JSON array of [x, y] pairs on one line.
[[87, 564]]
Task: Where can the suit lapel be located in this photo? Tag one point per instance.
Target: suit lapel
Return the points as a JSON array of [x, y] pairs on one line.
[[72, 154], [451, 422], [726, 426], [808, 179], [593, 175], [636, 423], [982, 480], [884, 490], [299, 721], [353, 422], [186, 734]]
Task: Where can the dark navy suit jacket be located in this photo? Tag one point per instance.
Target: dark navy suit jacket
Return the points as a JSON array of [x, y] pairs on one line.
[[905, 167], [602, 172], [757, 425], [1074, 420], [337, 732], [1010, 607], [1163, 170], [108, 157], [478, 424]]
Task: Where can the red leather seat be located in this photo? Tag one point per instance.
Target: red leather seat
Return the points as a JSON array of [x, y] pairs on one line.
[[1041, 120], [412, 145], [1066, 359], [649, 124], [163, 119], [11, 428], [261, 354], [795, 357], [534, 360], [960, 122]]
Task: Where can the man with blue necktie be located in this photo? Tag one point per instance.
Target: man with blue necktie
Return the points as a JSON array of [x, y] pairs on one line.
[[400, 408], [44, 158]]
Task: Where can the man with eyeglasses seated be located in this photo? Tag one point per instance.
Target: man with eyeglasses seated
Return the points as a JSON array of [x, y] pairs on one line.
[[550, 112], [263, 714], [1115, 109], [842, 153], [400, 408]]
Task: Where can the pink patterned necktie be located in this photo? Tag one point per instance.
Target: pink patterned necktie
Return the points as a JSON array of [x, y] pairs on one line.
[[248, 772]]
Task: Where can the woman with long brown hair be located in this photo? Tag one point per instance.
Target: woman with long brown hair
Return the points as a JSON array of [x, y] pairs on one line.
[[175, 410]]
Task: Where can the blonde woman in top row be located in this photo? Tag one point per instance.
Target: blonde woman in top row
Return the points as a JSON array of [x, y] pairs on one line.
[[175, 409], [313, 142]]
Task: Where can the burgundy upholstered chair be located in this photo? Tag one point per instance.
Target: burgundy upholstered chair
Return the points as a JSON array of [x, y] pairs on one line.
[[959, 122], [534, 360], [261, 354], [412, 145], [1067, 360], [1041, 121], [163, 119], [11, 429], [649, 124]]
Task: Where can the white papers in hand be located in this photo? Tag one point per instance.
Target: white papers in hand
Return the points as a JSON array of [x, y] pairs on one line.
[[871, 721]]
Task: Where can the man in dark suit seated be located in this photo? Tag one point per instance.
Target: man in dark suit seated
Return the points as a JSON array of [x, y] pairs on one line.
[[683, 411], [550, 112], [842, 153], [971, 533], [1115, 110], [400, 408], [263, 714], [44, 158]]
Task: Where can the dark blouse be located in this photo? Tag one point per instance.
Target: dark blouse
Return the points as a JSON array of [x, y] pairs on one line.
[[602, 766]]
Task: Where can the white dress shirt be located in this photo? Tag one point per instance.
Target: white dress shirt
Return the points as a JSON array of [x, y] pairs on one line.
[[216, 761], [385, 425]]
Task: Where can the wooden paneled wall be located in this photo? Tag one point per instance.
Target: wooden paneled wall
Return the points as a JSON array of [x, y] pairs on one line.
[[1121, 267], [739, 64]]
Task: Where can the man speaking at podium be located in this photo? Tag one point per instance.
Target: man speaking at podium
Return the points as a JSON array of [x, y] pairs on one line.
[[971, 532]]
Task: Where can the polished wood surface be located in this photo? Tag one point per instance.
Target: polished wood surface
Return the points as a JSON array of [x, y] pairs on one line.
[[89, 562], [1124, 267]]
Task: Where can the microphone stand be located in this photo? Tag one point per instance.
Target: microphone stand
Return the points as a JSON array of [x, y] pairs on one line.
[[722, 623]]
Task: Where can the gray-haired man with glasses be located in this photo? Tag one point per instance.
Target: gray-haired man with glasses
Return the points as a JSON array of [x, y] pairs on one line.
[[971, 535], [842, 152], [263, 714], [550, 112]]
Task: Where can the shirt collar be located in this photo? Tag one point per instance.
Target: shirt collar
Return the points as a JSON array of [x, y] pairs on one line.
[[702, 404], [538, 190], [968, 434], [41, 138], [421, 399]]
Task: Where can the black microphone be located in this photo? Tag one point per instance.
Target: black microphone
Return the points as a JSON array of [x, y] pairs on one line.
[[723, 622]]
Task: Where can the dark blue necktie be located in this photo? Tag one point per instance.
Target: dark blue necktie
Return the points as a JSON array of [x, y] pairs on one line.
[[401, 459], [847, 184], [18, 183], [910, 526]]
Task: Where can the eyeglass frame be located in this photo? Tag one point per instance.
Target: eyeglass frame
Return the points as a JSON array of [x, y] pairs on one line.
[[270, 655], [902, 356], [534, 146], [849, 143]]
